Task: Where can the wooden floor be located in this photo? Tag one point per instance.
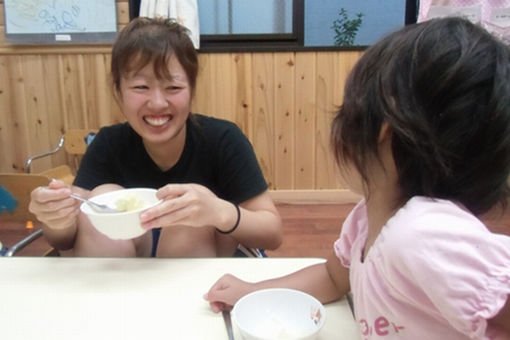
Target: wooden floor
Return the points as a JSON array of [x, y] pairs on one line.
[[309, 230], [11, 233]]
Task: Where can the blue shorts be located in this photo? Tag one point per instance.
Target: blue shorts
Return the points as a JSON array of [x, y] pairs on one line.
[[156, 232]]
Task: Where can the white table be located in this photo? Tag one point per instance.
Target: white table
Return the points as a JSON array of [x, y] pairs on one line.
[[142, 299]]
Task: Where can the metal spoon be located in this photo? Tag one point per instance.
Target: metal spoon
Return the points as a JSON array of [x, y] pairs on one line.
[[228, 324], [101, 208]]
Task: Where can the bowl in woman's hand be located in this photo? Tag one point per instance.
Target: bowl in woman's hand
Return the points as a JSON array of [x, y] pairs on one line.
[[124, 224]]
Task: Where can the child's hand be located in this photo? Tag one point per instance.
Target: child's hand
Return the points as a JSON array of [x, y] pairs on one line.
[[226, 292]]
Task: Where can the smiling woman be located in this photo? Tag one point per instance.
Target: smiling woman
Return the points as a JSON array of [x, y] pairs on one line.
[[204, 169], [157, 109]]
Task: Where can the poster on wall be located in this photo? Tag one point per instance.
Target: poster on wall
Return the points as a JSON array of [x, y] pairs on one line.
[[494, 16], [60, 21]]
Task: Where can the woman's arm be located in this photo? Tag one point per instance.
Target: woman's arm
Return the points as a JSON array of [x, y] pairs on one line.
[[194, 205], [325, 281], [260, 224], [58, 212]]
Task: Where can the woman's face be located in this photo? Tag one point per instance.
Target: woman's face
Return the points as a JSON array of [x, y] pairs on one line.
[[157, 109]]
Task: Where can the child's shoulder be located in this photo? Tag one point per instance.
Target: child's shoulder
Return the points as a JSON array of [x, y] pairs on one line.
[[424, 215], [435, 250], [438, 230]]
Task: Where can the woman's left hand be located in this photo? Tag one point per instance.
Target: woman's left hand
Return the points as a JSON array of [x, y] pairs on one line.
[[190, 205]]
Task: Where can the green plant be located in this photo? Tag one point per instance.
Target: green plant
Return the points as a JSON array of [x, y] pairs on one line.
[[345, 28]]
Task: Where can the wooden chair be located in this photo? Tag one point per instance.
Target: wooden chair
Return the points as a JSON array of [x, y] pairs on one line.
[[74, 142], [19, 186]]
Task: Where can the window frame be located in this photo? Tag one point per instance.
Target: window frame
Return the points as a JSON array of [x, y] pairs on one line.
[[249, 42], [277, 42], [253, 42]]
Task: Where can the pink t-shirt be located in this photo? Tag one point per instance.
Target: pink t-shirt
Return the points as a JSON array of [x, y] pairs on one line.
[[434, 272]]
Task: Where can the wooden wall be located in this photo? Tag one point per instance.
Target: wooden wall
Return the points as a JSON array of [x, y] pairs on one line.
[[283, 101]]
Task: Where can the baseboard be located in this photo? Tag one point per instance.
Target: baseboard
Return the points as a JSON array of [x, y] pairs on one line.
[[341, 196]]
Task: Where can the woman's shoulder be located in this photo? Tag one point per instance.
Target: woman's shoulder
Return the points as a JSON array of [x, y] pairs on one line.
[[115, 133], [212, 125], [216, 132], [115, 140], [116, 129]]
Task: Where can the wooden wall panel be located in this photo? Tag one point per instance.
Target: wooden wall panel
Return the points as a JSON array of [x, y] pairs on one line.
[[203, 99], [242, 90], [17, 119], [7, 131], [327, 72], [38, 119], [72, 78], [305, 109], [283, 101], [222, 85], [284, 120], [53, 108], [262, 135]]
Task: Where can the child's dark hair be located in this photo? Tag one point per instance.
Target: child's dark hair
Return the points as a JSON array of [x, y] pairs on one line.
[[443, 86], [146, 40]]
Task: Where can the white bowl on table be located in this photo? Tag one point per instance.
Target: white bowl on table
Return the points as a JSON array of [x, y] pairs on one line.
[[278, 313], [121, 225]]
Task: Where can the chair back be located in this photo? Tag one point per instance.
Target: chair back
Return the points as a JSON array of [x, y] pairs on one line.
[[77, 140], [74, 142], [19, 186]]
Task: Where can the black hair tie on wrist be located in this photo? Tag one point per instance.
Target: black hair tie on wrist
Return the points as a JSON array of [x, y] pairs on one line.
[[237, 222]]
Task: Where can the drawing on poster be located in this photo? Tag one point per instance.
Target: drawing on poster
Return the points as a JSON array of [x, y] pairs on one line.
[[60, 20]]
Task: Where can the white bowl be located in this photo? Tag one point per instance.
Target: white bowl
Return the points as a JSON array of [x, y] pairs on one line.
[[278, 313], [121, 225]]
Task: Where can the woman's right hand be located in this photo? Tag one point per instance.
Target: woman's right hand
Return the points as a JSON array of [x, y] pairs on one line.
[[53, 206]]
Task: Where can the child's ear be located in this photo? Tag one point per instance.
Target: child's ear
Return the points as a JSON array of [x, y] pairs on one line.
[[385, 132]]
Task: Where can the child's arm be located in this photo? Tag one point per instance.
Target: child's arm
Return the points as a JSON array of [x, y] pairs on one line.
[[325, 281]]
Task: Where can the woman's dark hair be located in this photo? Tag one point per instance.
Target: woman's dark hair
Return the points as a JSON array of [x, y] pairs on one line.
[[146, 40], [443, 86]]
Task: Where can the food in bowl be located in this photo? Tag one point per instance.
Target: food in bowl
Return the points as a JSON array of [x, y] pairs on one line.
[[121, 225], [129, 202], [278, 313]]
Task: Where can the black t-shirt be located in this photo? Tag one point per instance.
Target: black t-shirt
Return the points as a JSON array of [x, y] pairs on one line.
[[216, 154]]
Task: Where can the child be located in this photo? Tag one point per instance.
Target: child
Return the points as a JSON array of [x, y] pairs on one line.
[[213, 190], [424, 135]]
